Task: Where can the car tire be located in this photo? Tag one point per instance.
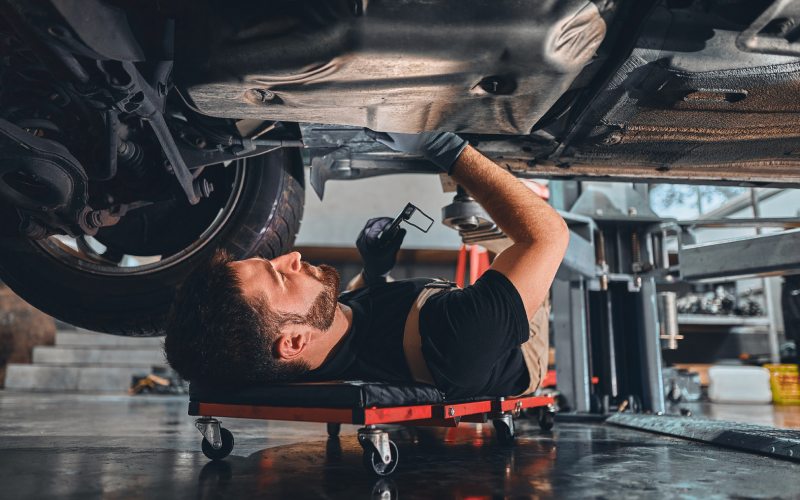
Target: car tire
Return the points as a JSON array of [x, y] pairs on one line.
[[263, 222]]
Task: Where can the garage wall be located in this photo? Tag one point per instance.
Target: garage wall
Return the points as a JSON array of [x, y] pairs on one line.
[[336, 221]]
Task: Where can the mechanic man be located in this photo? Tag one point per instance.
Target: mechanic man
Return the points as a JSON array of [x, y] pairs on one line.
[[260, 320]]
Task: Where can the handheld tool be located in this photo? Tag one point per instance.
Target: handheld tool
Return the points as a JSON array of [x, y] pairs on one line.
[[406, 216]]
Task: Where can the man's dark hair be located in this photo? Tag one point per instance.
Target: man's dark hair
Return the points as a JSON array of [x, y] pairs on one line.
[[216, 335]]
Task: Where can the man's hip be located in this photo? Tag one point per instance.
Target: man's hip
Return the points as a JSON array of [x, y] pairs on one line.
[[536, 350]]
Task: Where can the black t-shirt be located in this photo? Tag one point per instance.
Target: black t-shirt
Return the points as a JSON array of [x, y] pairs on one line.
[[470, 337]]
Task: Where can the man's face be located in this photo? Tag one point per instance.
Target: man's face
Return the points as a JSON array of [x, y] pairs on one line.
[[292, 287]]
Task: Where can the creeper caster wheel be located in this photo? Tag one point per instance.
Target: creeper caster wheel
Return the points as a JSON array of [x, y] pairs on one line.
[[380, 453], [374, 464], [224, 450], [546, 418], [504, 429], [333, 429]]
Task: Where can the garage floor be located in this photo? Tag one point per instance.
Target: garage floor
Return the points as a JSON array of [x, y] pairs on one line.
[[146, 447]]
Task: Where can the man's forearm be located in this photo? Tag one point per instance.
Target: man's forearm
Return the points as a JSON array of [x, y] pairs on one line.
[[520, 213], [539, 234]]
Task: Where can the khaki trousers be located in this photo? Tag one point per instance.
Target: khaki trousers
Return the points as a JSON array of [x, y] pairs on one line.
[[536, 350]]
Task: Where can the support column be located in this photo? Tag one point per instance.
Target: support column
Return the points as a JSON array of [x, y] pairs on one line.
[[570, 336], [652, 379]]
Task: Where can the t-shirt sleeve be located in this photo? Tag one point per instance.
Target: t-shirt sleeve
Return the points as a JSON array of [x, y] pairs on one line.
[[465, 331]]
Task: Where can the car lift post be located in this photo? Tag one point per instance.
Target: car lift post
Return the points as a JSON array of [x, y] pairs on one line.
[[598, 318], [605, 322]]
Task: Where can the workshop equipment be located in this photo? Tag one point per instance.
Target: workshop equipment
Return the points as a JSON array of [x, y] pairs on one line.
[[478, 264], [411, 215], [354, 402], [784, 381], [738, 384], [160, 380], [668, 320]]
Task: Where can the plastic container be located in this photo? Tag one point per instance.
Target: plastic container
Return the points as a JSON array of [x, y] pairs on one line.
[[785, 382], [739, 384]]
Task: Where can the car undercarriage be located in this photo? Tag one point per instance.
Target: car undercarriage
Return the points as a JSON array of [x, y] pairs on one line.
[[679, 91], [137, 137]]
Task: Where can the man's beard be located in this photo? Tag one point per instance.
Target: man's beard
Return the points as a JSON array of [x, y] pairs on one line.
[[323, 310]]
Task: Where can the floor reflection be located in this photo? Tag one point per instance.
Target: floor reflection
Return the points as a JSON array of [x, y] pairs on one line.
[[455, 463], [467, 463], [78, 446]]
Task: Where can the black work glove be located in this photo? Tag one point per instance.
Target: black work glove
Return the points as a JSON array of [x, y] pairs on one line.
[[378, 259], [441, 148]]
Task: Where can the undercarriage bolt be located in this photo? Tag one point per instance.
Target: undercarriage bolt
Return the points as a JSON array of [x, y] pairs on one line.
[[203, 187], [127, 151], [94, 219], [498, 84], [260, 96], [614, 137], [784, 26], [32, 229]]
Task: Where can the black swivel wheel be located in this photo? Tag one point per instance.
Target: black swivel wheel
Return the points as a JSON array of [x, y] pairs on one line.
[[546, 419], [333, 429], [224, 450], [504, 432], [373, 462]]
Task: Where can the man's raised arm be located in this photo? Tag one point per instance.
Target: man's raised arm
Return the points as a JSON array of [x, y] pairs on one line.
[[539, 234]]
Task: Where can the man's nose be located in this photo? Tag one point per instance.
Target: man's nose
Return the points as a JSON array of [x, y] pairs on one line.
[[289, 262]]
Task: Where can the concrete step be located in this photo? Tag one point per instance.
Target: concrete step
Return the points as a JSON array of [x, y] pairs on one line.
[[74, 355], [82, 337], [71, 378]]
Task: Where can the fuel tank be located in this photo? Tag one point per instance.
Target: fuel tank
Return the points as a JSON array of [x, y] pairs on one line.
[[480, 66]]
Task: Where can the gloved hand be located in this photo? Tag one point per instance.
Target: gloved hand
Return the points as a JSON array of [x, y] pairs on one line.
[[441, 148], [378, 259]]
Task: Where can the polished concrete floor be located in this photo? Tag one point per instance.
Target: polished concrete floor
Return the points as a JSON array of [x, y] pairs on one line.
[[79, 446]]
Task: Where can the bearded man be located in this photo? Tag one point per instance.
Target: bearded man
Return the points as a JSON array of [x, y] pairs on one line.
[[262, 320]]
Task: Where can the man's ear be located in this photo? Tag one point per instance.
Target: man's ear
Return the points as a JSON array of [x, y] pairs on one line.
[[292, 342]]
